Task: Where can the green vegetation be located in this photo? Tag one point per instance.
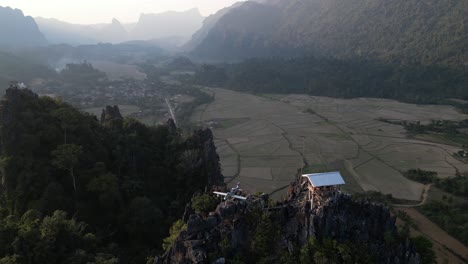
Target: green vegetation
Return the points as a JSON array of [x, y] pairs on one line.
[[422, 176], [123, 183], [450, 215], [211, 75], [51, 239], [424, 247], [409, 222], [174, 232], [450, 211], [446, 127], [82, 74], [265, 232], [340, 78], [393, 32], [330, 251], [204, 203], [445, 131], [457, 185], [374, 196]]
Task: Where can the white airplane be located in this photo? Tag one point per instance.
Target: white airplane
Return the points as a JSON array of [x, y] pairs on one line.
[[231, 193]]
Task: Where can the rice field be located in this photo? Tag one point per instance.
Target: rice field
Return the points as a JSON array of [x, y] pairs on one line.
[[264, 141]]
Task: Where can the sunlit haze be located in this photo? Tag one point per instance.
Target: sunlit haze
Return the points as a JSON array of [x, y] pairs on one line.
[[101, 11]]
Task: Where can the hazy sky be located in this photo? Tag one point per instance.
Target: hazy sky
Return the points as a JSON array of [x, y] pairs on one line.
[[99, 11]]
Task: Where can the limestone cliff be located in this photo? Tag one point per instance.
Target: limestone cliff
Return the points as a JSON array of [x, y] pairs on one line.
[[110, 114], [235, 231]]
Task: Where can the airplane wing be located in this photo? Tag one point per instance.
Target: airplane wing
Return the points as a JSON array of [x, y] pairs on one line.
[[239, 197], [220, 193]]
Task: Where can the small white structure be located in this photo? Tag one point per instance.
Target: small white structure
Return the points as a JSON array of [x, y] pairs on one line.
[[323, 185]]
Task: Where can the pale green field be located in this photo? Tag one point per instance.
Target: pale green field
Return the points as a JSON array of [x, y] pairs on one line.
[[266, 149]]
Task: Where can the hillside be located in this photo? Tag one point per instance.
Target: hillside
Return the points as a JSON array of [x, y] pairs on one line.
[[396, 31], [13, 21], [78, 190]]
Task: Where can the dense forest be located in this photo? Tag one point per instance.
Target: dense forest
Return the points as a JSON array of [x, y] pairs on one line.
[[431, 32], [77, 190], [339, 78]]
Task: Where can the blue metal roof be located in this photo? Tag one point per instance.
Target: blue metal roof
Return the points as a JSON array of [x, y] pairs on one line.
[[325, 179]]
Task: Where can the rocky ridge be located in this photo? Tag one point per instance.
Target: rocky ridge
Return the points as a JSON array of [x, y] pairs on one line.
[[110, 114], [338, 218]]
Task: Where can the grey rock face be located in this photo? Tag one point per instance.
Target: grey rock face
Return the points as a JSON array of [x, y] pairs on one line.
[[339, 218]]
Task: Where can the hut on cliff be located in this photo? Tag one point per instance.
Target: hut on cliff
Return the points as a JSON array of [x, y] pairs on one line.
[[322, 185]]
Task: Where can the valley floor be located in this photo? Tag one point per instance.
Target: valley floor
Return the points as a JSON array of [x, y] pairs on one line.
[[264, 141]]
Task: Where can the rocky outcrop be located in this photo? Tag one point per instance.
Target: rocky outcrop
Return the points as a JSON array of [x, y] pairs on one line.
[[110, 114], [203, 156], [172, 126], [338, 217]]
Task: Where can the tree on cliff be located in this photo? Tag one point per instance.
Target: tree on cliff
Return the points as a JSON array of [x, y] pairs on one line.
[[67, 157]]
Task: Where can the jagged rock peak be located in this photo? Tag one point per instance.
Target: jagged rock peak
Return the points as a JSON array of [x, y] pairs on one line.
[[110, 114], [172, 126]]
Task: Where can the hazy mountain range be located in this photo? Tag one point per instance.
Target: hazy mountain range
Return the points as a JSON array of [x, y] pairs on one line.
[[167, 24], [396, 31], [166, 27], [17, 30]]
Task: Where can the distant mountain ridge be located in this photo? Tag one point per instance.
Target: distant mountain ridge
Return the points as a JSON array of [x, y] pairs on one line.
[[163, 26], [396, 31], [59, 32], [167, 24], [18, 30]]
